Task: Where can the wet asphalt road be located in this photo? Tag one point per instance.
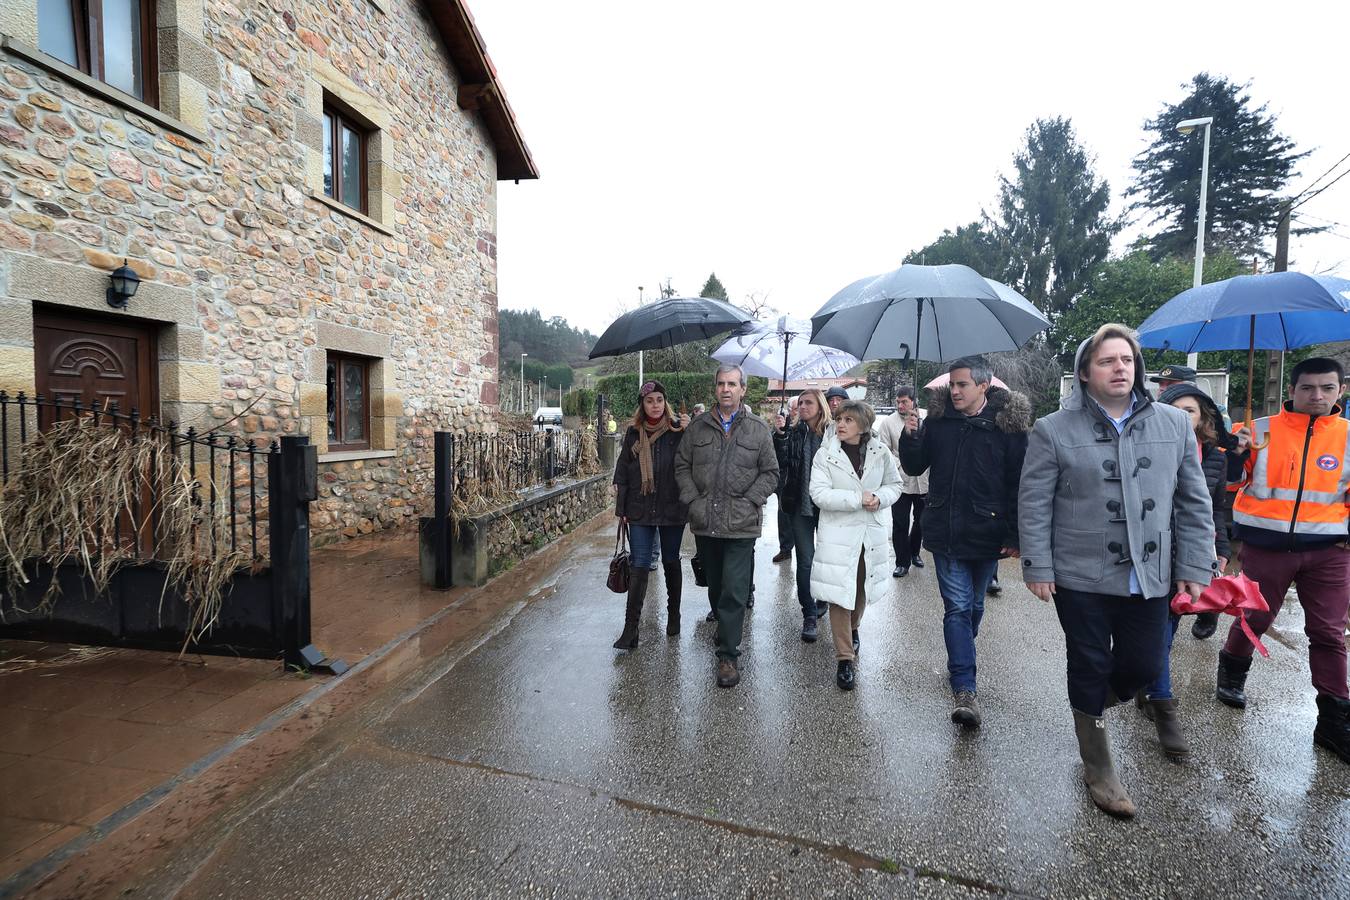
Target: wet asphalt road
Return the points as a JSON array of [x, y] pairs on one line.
[[546, 763]]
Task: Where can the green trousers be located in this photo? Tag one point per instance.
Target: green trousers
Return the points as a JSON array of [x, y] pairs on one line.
[[729, 564]]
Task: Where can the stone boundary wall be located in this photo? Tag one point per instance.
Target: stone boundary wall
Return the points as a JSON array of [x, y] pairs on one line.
[[489, 544]]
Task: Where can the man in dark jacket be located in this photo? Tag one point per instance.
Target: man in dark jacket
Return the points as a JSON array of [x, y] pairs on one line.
[[972, 445], [726, 469]]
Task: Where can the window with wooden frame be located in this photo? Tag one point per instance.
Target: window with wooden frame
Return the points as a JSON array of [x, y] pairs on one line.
[[111, 40], [348, 402], [346, 144]]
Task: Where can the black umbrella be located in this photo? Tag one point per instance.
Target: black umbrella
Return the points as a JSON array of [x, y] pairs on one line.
[[666, 323]]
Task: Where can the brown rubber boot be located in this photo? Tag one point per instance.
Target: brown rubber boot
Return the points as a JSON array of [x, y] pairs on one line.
[[674, 587], [1169, 729], [1099, 772], [637, 592]]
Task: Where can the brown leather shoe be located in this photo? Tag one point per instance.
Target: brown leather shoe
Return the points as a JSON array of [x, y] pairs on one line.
[[727, 673], [782, 556]]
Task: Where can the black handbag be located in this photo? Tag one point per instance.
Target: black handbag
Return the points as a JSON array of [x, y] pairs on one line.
[[619, 564]]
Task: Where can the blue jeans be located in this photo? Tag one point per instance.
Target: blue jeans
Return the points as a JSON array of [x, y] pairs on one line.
[[962, 583], [642, 544], [804, 541], [1161, 688]]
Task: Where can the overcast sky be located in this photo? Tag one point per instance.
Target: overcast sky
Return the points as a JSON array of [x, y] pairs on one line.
[[793, 147]]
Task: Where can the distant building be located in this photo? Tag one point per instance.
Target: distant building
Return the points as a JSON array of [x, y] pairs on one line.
[[852, 385]]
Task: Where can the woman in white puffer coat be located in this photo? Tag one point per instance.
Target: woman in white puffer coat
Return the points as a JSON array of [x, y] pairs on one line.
[[854, 479]]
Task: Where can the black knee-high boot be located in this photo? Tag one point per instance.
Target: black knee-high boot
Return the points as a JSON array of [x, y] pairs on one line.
[[674, 587], [637, 592]]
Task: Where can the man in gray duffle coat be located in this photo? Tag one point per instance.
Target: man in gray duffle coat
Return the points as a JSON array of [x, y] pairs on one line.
[[1114, 519]]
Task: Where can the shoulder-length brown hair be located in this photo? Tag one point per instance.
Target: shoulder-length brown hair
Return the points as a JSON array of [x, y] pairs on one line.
[[823, 410]]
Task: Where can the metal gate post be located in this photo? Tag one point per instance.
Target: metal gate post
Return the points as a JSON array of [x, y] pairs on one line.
[[442, 507], [293, 482]]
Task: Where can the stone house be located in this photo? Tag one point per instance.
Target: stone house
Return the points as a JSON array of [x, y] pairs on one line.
[[307, 192]]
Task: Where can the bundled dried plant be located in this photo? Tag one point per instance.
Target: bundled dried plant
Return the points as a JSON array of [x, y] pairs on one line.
[[95, 497]]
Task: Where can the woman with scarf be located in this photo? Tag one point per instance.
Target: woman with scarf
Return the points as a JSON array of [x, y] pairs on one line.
[[796, 446], [648, 500], [1156, 701]]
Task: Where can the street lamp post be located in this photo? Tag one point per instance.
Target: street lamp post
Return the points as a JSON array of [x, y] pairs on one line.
[[522, 381], [1186, 127], [639, 352]]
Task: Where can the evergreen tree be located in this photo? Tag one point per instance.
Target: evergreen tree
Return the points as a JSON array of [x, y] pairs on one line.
[[1250, 163], [971, 245], [713, 289], [1052, 218]]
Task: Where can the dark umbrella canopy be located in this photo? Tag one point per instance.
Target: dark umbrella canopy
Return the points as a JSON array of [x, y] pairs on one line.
[[933, 313], [666, 323]]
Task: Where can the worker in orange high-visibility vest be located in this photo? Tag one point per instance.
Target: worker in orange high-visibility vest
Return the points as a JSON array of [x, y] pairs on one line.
[[1291, 514]]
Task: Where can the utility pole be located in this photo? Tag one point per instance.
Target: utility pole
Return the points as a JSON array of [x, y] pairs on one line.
[[1275, 358], [640, 352]]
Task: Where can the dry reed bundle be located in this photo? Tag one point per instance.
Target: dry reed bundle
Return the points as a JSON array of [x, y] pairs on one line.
[[588, 459], [92, 495]]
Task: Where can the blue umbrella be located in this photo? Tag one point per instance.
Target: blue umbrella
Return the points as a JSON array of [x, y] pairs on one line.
[[1275, 311]]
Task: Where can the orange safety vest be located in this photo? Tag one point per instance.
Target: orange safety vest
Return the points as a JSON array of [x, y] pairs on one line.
[[1299, 483]]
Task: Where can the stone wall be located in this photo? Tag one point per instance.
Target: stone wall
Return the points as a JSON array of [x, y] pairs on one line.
[[252, 274], [536, 522], [489, 544]]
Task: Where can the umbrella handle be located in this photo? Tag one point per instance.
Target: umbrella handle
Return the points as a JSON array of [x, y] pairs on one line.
[[1251, 431]]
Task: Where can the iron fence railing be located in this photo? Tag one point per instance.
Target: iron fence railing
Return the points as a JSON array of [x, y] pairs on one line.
[[490, 469], [225, 477]]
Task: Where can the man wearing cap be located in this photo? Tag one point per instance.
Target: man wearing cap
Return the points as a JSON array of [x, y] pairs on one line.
[[1170, 375], [834, 398], [907, 513], [726, 468]]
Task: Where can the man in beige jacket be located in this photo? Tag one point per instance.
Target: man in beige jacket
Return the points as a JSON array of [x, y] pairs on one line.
[[906, 530]]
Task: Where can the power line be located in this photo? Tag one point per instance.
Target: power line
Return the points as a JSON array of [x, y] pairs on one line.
[[1301, 217], [1319, 190], [1313, 184]]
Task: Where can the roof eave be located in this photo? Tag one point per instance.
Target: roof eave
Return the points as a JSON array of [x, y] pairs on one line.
[[480, 90]]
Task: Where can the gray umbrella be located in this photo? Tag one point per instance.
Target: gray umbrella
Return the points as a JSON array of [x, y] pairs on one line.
[[934, 313]]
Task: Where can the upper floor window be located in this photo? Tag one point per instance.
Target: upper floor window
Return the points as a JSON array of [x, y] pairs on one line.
[[111, 40], [345, 144]]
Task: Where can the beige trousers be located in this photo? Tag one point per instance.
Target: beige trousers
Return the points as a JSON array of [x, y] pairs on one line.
[[843, 621]]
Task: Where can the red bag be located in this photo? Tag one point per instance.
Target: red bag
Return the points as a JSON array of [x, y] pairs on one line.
[[618, 566]]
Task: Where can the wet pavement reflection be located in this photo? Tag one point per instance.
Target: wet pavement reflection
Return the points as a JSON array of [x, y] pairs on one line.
[[547, 762]]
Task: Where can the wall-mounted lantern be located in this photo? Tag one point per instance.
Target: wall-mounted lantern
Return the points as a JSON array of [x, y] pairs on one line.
[[125, 281]]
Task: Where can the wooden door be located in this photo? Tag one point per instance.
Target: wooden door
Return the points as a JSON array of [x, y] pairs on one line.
[[87, 358]]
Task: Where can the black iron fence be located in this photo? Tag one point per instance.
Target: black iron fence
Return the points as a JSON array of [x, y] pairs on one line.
[[482, 473], [121, 530], [492, 469], [225, 476]]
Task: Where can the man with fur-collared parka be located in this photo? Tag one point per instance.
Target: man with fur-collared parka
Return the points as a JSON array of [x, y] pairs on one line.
[[971, 445]]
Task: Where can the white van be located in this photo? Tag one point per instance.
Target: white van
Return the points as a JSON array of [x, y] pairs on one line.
[[548, 418]]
